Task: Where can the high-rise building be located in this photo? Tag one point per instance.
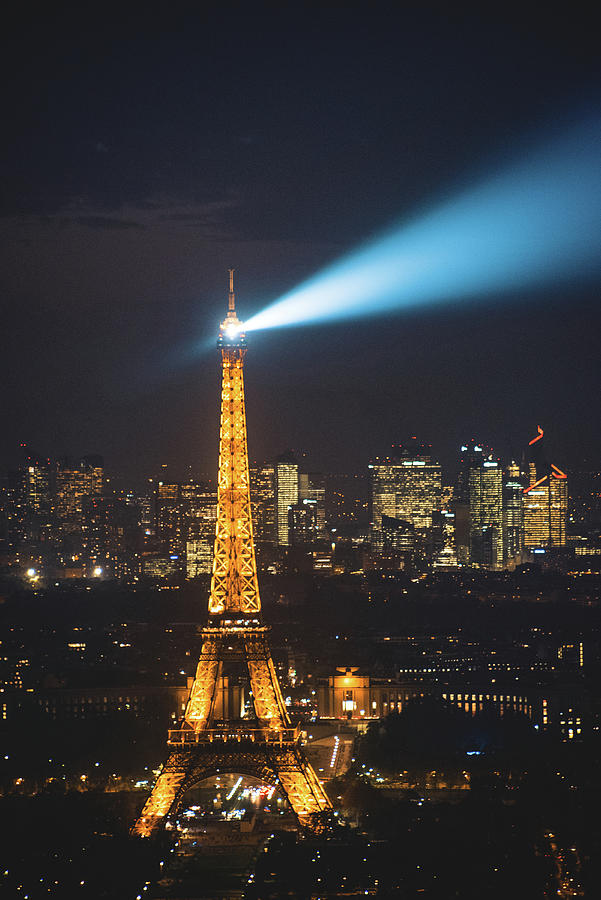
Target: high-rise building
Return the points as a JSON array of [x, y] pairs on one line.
[[312, 487], [147, 505], [262, 499], [185, 524], [110, 539], [444, 546], [37, 484], [75, 483], [302, 523], [485, 484], [513, 513], [170, 526], [199, 503], [405, 485], [585, 498], [347, 503], [286, 487], [199, 557], [472, 455], [478, 507], [545, 499]]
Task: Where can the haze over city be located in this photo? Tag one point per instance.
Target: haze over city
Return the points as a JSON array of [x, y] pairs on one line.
[[149, 156]]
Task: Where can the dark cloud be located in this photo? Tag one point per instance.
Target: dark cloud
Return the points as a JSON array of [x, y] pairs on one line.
[[106, 222], [146, 156]]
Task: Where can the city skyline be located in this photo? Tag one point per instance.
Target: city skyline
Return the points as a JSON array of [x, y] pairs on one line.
[[168, 471]]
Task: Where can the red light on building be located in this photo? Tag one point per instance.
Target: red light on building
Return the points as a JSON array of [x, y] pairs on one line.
[[536, 484]]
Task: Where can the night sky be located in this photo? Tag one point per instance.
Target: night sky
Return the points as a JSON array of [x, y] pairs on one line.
[[144, 156]]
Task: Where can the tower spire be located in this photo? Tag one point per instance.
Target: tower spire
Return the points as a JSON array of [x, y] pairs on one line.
[[232, 298], [234, 584]]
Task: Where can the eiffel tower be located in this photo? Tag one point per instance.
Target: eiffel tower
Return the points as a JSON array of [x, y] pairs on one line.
[[265, 746]]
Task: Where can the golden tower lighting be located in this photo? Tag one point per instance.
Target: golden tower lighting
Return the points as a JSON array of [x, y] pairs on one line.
[[207, 742]]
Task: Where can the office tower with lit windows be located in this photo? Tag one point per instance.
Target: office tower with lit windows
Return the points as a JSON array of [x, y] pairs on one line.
[[198, 501], [263, 505], [37, 484], [302, 523], [406, 486], [347, 505], [185, 524], [169, 517], [444, 547], [199, 508], [480, 493], [558, 503], [472, 454], [286, 488], [35, 495], [486, 514], [513, 513], [311, 487], [545, 499], [147, 506], [110, 539], [75, 483]]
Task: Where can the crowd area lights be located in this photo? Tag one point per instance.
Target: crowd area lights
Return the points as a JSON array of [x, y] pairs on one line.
[[532, 224]]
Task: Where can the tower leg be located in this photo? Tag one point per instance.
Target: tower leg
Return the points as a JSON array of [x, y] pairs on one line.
[[202, 696], [163, 797], [303, 791], [269, 762], [267, 694]]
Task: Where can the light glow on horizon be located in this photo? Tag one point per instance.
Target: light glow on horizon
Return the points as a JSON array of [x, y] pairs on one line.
[[534, 223]]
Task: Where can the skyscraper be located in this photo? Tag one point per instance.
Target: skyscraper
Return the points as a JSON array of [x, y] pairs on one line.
[[312, 487], [286, 485], [513, 514], [199, 510], [485, 484], [169, 517], [545, 499], [37, 484], [405, 485], [472, 454], [347, 504], [75, 483], [262, 499]]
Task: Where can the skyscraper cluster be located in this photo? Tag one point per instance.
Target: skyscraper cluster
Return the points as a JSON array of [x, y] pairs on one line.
[[494, 517], [58, 518], [63, 519]]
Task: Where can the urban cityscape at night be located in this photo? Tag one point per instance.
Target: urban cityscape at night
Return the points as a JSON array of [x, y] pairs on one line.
[[300, 457]]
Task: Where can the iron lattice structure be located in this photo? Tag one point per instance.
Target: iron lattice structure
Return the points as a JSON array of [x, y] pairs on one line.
[[266, 746]]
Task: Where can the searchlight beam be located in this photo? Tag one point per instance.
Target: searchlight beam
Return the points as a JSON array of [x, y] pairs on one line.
[[533, 224]]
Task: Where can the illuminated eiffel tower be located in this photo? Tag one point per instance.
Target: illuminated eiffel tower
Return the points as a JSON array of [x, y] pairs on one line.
[[266, 746]]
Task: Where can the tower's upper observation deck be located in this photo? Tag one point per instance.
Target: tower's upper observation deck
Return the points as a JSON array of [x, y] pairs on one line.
[[231, 330]]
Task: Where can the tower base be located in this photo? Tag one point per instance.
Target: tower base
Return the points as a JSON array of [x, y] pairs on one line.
[[273, 758]]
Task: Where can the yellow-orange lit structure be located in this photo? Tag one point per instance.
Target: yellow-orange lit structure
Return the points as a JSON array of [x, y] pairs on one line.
[[260, 741], [545, 502]]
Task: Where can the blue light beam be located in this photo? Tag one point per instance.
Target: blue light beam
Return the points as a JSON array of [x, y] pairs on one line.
[[535, 223]]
